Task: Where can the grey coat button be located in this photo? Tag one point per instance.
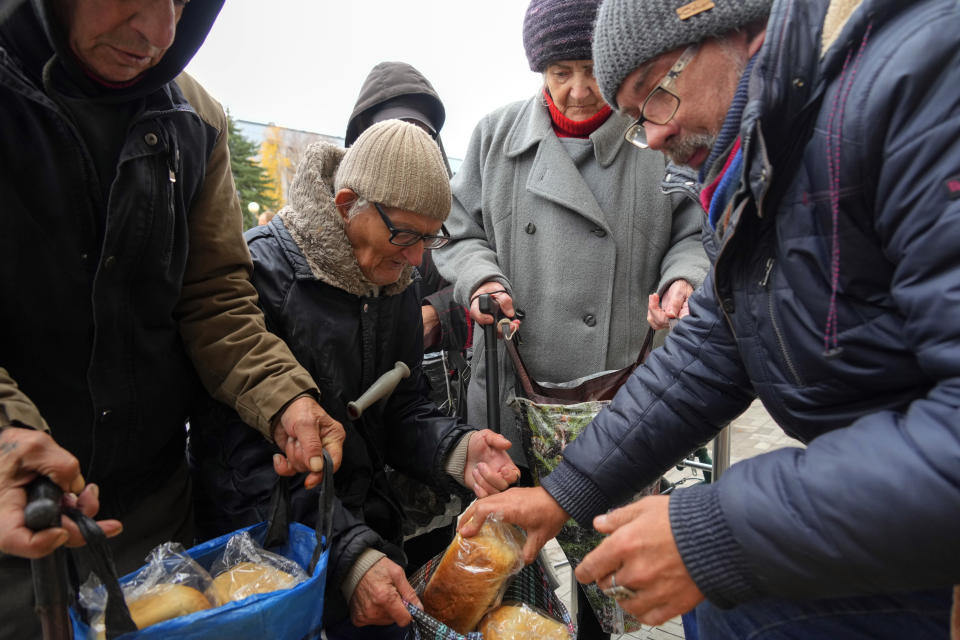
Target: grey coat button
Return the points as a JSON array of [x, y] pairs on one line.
[[728, 305], [151, 138], [105, 415], [589, 320], [110, 262], [600, 233], [530, 228]]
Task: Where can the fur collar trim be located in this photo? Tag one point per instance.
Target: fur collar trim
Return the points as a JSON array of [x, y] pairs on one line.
[[316, 227]]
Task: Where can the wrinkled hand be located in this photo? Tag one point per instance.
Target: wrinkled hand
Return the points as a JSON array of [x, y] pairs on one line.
[[378, 598], [496, 291], [489, 469], [24, 455], [431, 326], [642, 552], [302, 433], [673, 306], [532, 509]]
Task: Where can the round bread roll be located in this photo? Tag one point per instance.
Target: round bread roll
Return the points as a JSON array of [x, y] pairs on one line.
[[520, 622], [159, 603], [246, 579]]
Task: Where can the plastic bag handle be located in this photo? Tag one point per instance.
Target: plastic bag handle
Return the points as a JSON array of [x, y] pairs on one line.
[[324, 525], [278, 524], [117, 616]]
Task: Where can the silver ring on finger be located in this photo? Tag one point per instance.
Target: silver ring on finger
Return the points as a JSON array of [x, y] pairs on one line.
[[617, 591]]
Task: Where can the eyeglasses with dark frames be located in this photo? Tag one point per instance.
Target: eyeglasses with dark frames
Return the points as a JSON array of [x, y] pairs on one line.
[[662, 103], [409, 237]]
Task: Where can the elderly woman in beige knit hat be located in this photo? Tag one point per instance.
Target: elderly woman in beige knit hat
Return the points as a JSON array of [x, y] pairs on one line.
[[333, 270]]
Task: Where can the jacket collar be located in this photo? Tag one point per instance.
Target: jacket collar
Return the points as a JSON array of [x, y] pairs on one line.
[[319, 232], [533, 124]]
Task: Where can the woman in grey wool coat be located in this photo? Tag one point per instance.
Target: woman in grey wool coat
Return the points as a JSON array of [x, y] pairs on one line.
[[556, 210]]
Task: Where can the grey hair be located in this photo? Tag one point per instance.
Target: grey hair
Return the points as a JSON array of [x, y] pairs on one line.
[[357, 206]]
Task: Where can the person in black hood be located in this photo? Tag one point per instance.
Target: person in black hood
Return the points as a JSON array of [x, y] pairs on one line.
[[397, 90], [126, 278]]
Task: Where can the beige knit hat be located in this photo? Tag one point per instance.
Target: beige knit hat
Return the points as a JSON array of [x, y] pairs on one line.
[[397, 164]]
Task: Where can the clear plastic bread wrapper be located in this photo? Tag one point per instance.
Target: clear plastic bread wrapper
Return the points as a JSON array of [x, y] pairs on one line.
[[171, 584], [246, 569], [472, 575], [520, 621]]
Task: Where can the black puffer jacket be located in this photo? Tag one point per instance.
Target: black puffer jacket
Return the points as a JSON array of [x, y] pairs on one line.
[[315, 297], [849, 190]]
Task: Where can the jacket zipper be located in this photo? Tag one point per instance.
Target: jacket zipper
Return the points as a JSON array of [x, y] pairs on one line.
[[173, 163], [765, 282]]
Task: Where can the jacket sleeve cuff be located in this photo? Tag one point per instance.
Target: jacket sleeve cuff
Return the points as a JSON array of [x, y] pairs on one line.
[[712, 556], [16, 409], [456, 463], [275, 418], [359, 569], [575, 493]]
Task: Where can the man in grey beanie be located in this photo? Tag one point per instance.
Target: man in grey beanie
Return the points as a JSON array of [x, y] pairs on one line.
[[826, 139], [652, 43]]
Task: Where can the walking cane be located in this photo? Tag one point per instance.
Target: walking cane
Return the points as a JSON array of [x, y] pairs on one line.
[[50, 572], [489, 306]]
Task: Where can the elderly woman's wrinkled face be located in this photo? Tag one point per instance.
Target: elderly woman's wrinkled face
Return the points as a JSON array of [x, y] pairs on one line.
[[381, 261], [573, 88]]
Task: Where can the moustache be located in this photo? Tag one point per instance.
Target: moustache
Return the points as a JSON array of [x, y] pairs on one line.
[[679, 150]]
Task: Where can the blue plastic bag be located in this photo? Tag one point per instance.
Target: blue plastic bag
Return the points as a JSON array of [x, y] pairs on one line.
[[289, 614]]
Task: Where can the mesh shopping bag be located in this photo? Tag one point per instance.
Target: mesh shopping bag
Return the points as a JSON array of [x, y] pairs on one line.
[[552, 416]]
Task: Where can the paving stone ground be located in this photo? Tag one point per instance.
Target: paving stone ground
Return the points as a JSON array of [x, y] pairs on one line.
[[753, 433]]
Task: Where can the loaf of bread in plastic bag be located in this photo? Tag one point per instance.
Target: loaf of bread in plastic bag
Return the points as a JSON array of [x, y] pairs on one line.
[[521, 622], [159, 603], [472, 575], [246, 579]]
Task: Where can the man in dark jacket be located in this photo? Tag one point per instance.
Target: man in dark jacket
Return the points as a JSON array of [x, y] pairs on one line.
[[125, 275], [831, 183], [332, 259]]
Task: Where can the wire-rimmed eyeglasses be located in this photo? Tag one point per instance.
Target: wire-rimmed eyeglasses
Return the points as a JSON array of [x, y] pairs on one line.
[[662, 103], [409, 237]]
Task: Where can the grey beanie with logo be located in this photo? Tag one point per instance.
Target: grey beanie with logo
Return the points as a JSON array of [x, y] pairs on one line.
[[629, 33]]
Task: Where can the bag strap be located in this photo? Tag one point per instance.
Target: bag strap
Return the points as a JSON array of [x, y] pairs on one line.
[[532, 389], [324, 526], [278, 525], [117, 616], [278, 522]]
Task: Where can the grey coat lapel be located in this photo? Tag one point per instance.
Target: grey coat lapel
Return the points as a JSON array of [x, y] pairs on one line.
[[553, 175]]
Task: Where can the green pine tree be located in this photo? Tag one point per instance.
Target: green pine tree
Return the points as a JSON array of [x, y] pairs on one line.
[[251, 179]]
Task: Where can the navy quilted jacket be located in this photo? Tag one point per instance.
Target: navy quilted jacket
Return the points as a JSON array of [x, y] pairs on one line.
[[835, 298]]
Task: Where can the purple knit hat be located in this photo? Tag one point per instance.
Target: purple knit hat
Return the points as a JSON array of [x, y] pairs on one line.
[[558, 30]]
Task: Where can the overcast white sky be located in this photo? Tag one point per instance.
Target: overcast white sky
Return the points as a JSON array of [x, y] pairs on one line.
[[300, 63]]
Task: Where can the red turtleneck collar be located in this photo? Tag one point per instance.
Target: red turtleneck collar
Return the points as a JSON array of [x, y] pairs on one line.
[[564, 127]]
